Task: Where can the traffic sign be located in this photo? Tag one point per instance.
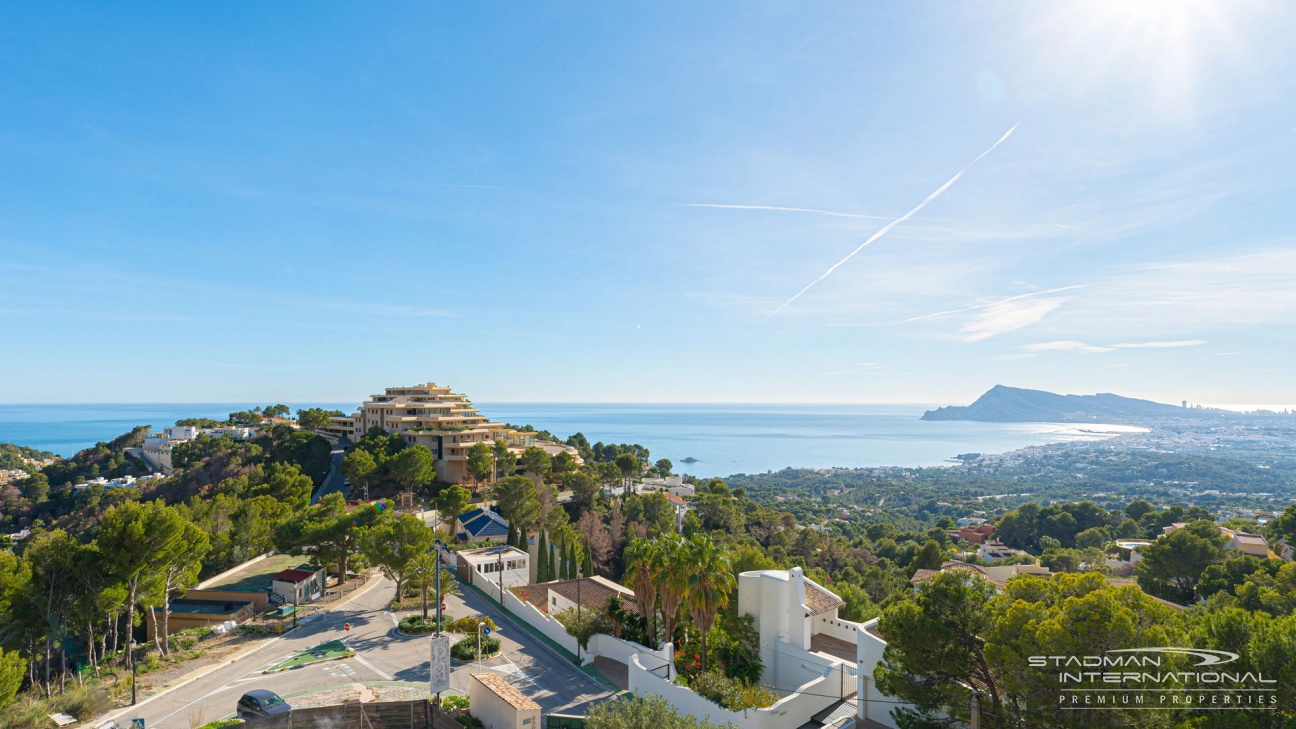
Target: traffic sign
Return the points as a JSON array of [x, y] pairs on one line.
[[486, 630], [346, 627]]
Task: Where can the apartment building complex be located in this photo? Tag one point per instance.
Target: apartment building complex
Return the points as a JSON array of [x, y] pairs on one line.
[[445, 422]]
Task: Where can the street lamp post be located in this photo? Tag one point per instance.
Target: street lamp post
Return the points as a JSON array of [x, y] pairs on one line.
[[480, 625]]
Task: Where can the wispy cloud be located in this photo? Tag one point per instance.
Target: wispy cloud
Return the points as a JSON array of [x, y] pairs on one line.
[[1160, 345], [895, 222], [1066, 345], [788, 210], [989, 305], [1007, 316]]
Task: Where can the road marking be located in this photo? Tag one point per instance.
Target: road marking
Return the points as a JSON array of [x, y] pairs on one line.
[[373, 668]]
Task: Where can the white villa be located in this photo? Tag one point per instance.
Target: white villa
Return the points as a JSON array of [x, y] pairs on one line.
[[821, 664], [486, 564], [157, 446]]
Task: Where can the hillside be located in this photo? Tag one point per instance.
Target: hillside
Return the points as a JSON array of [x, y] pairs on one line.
[[1015, 405]]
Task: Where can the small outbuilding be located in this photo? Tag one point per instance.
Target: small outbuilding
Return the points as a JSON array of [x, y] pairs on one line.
[[300, 585], [497, 704]]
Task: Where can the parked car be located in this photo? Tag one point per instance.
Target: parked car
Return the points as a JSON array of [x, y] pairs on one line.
[[261, 703]]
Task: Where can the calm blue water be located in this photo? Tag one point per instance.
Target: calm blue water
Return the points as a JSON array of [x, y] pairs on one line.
[[728, 439], [725, 439]]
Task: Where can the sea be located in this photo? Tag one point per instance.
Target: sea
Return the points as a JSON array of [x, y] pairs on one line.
[[720, 439]]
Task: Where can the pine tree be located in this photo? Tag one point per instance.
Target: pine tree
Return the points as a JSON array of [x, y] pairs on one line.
[[542, 559]]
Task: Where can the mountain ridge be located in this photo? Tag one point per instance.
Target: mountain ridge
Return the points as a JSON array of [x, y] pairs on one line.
[[1003, 404]]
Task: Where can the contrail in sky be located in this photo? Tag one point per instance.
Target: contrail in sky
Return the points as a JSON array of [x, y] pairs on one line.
[[886, 228], [790, 210]]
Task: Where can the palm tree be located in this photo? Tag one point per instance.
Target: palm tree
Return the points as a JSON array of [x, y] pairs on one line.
[[425, 576], [710, 582], [642, 557], [671, 573]]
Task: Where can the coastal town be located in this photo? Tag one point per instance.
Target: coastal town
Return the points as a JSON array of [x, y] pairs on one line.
[[726, 365]]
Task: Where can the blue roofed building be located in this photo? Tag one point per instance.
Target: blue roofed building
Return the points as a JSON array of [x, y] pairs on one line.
[[481, 525]]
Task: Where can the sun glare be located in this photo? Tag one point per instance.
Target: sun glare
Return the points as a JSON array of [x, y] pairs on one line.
[[1156, 50]]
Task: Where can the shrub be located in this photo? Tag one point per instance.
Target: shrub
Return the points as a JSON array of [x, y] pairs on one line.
[[468, 625], [32, 712], [466, 649], [732, 694], [471, 722], [414, 625], [455, 701], [645, 711], [222, 724]]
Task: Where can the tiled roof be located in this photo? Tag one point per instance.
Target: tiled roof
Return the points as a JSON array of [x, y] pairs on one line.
[[921, 575], [294, 576], [506, 691], [537, 595], [593, 594], [819, 600], [483, 523]]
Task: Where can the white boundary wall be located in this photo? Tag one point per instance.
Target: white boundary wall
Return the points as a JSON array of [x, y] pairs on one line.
[[610, 646], [792, 710]]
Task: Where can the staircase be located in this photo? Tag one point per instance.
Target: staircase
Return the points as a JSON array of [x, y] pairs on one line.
[[840, 715]]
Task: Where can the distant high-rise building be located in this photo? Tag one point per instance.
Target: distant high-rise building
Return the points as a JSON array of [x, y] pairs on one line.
[[1185, 403]]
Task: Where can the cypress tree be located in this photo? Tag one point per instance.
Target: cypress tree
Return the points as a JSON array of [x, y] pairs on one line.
[[564, 560], [587, 567], [539, 557], [551, 570], [511, 540]]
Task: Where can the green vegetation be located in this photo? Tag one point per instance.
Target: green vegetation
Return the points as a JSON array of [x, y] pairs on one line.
[[21, 458], [468, 625], [417, 625], [957, 632], [466, 649], [315, 418], [732, 694], [645, 712]]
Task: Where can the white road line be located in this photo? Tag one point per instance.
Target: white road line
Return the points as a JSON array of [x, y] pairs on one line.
[[373, 668]]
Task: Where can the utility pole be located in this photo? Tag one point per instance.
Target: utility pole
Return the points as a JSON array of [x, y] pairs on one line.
[[131, 646], [501, 577], [976, 709], [438, 586], [578, 609]]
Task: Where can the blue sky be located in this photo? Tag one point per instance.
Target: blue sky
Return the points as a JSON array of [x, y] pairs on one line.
[[308, 202]]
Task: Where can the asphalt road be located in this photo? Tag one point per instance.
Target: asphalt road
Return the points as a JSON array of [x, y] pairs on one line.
[[382, 655], [333, 482]]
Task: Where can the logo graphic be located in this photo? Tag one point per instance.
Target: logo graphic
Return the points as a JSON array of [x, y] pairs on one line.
[[1209, 657], [1161, 677]]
